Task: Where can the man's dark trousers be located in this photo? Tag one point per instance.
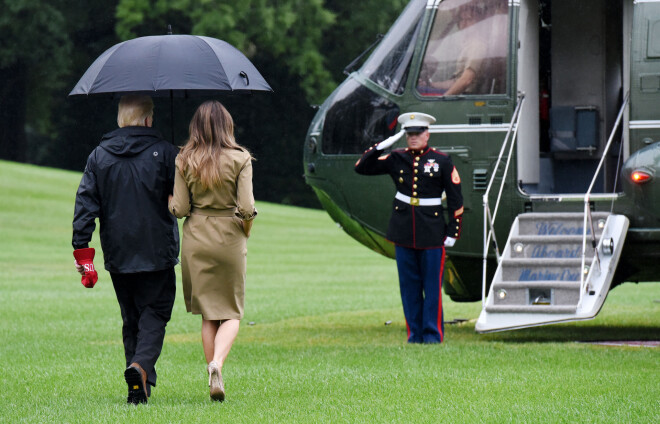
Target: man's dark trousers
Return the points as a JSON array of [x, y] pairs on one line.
[[146, 300], [420, 281]]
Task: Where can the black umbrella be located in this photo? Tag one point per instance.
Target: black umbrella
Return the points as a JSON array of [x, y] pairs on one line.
[[171, 65]]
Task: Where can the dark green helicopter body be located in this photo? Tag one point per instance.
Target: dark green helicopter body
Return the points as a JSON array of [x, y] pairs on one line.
[[594, 64]]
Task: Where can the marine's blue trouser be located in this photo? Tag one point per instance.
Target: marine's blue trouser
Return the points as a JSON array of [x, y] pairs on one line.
[[420, 280]]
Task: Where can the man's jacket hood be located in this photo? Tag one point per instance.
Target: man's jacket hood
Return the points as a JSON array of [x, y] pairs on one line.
[[129, 141]]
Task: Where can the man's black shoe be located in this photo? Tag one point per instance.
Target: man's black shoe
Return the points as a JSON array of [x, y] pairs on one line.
[[136, 379]]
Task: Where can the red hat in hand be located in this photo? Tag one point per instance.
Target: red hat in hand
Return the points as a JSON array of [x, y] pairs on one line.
[[85, 257]]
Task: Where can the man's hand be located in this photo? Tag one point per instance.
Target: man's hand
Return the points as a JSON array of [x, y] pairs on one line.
[[85, 260], [389, 141], [79, 268], [449, 241]]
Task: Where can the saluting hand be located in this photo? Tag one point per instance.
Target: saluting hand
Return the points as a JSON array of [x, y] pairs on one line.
[[390, 140]]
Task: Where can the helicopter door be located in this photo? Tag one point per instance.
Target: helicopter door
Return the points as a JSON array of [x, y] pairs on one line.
[[645, 75], [576, 94]]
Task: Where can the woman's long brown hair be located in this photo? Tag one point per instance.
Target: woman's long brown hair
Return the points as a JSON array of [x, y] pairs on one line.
[[211, 131]]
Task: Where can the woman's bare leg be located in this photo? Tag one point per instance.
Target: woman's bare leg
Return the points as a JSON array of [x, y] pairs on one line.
[[209, 331], [224, 339], [218, 338]]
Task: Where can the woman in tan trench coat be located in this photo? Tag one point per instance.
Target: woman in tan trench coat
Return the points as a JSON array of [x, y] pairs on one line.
[[213, 189]]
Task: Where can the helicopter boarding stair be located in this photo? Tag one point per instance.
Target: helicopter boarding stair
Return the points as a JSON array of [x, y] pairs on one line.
[[556, 266], [540, 280]]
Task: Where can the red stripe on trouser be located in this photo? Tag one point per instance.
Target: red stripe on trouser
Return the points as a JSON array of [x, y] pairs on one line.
[[439, 320]]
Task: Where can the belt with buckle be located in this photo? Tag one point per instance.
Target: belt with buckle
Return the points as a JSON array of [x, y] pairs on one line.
[[212, 211], [416, 201]]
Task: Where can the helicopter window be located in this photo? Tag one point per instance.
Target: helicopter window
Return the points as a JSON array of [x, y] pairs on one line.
[[388, 65], [357, 119], [467, 49]]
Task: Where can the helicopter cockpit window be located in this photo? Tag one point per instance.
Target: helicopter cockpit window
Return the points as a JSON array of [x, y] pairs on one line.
[[388, 65], [467, 49], [357, 118]]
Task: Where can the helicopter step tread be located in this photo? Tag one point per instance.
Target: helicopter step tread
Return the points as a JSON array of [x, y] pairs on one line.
[[538, 280], [558, 224], [538, 284], [546, 309], [512, 295], [542, 262], [539, 247], [560, 215], [546, 239], [535, 269]]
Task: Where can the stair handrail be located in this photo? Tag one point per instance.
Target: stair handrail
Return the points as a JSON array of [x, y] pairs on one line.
[[587, 209], [489, 218]]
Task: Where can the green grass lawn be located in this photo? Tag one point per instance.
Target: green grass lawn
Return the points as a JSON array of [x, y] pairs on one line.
[[313, 346]]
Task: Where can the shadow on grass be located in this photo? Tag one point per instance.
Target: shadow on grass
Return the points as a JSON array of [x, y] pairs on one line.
[[369, 328], [574, 332]]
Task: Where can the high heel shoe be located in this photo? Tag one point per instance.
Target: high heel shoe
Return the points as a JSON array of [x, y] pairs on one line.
[[216, 385]]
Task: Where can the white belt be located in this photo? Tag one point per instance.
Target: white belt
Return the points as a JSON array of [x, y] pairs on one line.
[[416, 201]]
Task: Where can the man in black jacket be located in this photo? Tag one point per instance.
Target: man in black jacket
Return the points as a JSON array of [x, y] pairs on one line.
[[125, 185], [417, 226]]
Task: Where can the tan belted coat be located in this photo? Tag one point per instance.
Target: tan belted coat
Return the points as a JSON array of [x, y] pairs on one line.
[[214, 244]]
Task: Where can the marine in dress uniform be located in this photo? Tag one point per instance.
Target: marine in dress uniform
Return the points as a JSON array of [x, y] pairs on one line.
[[417, 225]]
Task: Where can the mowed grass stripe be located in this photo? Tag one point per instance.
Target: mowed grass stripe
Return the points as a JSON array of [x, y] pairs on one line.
[[313, 346]]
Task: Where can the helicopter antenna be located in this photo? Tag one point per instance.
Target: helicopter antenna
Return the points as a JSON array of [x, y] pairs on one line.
[[350, 68]]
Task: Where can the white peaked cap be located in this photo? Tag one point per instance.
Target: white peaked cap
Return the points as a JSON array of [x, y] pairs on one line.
[[415, 119]]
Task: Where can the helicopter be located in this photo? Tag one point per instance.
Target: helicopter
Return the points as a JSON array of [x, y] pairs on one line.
[[556, 138]]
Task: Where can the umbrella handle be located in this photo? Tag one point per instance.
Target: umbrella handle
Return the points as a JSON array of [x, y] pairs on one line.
[[244, 75]]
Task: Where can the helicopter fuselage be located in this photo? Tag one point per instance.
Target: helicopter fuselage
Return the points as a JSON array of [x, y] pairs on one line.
[[583, 75]]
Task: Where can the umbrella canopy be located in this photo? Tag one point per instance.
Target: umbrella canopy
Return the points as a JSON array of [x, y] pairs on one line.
[[171, 65]]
